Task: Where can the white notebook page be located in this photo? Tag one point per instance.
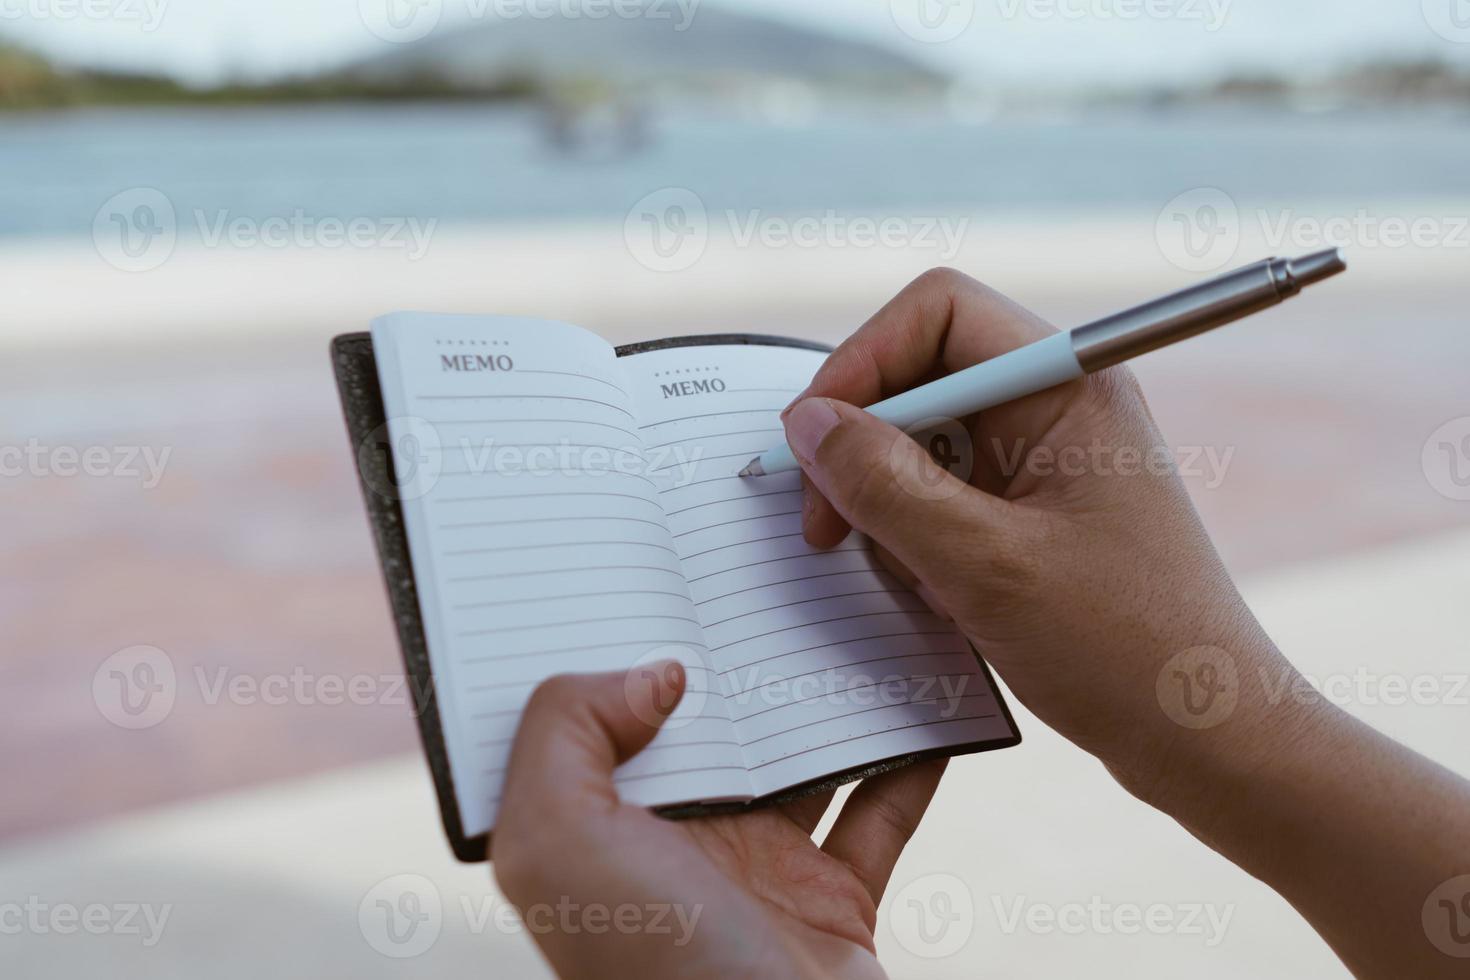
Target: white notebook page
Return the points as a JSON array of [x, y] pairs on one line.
[[539, 546], [827, 662]]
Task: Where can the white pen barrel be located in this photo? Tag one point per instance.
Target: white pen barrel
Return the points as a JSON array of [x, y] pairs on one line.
[[1021, 372]]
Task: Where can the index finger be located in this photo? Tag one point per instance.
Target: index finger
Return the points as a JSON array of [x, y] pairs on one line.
[[943, 321]]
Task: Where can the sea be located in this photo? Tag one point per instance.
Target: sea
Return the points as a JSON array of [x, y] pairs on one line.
[[474, 164]]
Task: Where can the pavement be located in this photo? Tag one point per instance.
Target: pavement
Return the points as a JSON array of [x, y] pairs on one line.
[[1038, 859]]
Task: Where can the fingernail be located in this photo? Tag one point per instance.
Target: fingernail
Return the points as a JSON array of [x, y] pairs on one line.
[[792, 404], [807, 424], [932, 601]]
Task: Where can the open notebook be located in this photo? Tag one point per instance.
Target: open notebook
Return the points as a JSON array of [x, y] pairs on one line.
[[547, 504]]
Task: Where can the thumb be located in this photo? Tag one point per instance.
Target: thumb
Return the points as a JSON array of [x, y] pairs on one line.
[[576, 730], [888, 487]]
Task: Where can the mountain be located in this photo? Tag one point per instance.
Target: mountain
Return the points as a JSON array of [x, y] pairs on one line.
[[717, 51]]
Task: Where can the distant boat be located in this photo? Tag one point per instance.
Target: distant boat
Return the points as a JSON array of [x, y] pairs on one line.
[[595, 131]]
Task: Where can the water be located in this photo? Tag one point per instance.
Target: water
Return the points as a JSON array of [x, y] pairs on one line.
[[468, 164]]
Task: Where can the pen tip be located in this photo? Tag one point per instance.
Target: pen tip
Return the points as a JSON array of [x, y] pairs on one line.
[[753, 468]]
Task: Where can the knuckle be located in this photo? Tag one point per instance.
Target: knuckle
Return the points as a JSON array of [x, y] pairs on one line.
[[943, 280], [1115, 392]]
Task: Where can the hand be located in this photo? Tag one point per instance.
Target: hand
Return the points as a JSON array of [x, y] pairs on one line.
[[1087, 580], [1071, 557], [743, 895]]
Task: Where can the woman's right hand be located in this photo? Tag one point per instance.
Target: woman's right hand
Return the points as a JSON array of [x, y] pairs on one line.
[[1083, 574], [1071, 556]]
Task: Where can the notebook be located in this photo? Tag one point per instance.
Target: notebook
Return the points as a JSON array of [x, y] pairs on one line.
[[545, 503]]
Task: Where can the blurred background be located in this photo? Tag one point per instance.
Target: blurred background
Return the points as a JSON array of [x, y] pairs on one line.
[[211, 756]]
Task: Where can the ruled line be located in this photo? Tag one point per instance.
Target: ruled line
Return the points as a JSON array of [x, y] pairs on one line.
[[563, 571], [714, 415], [804, 578], [741, 520], [849, 690], [771, 561], [519, 421], [572, 622], [728, 500], [495, 498], [559, 598], [739, 544], [546, 520], [881, 731], [575, 374], [803, 602], [747, 453], [819, 622], [838, 643], [581, 649], [555, 398], [718, 435], [849, 664], [564, 544]]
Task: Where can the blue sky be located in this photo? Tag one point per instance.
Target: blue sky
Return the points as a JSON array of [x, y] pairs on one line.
[[1010, 40]]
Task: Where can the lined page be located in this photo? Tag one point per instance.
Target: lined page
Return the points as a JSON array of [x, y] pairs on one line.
[[539, 546], [826, 661]]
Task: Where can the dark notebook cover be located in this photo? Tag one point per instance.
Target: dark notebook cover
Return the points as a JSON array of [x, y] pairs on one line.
[[362, 404]]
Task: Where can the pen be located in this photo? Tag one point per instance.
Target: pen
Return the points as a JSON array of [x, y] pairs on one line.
[[1094, 347]]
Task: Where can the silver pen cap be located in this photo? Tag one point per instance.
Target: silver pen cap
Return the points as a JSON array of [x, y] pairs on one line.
[[1195, 310]]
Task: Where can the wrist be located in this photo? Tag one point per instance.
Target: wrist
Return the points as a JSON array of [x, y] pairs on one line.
[[1230, 721]]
